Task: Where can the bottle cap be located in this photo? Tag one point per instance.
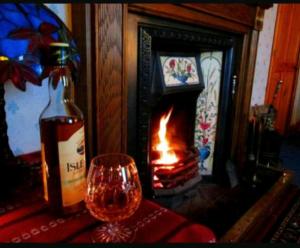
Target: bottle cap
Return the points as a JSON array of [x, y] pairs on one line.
[[58, 53], [59, 44]]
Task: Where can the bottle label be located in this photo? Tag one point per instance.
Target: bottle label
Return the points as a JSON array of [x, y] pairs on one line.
[[72, 168]]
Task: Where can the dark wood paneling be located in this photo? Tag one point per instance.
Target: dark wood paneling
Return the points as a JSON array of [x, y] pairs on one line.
[[237, 12], [194, 16], [81, 23], [109, 79], [124, 80], [243, 97]]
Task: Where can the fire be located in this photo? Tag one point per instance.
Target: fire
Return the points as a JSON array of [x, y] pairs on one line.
[[167, 154]]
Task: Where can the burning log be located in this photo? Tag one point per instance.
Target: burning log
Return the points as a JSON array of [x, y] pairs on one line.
[[178, 170], [172, 175], [172, 164], [179, 179]]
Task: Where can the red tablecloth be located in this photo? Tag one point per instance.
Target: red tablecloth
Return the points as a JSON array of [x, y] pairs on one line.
[[29, 221]]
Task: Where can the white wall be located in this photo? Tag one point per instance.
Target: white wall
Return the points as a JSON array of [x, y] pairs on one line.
[[263, 62], [63, 10], [265, 43]]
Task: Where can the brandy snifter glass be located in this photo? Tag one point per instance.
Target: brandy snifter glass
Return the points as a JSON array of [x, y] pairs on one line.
[[113, 194]]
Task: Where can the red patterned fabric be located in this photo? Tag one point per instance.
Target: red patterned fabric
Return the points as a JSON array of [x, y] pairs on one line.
[[152, 223]]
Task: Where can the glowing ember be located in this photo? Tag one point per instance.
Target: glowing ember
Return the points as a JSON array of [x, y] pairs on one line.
[[167, 154]]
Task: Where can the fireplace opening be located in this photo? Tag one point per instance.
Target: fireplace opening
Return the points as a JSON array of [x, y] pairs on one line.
[[173, 158]]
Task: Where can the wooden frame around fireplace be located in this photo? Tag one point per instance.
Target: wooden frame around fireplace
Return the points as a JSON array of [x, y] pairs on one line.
[[101, 31]]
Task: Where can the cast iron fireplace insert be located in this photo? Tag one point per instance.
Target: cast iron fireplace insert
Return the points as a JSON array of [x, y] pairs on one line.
[[149, 97]]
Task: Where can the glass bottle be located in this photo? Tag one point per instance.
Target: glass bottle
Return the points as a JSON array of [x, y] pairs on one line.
[[62, 139]]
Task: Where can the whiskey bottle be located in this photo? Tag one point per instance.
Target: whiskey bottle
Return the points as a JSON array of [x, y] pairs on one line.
[[62, 139]]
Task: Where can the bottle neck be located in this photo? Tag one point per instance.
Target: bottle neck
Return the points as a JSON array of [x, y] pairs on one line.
[[61, 87]]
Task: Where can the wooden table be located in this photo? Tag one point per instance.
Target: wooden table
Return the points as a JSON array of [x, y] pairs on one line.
[[259, 219], [27, 220]]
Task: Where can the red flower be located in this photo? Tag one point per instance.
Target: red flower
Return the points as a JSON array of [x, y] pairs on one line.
[[40, 38], [189, 68], [204, 125], [205, 140], [18, 73], [172, 63]]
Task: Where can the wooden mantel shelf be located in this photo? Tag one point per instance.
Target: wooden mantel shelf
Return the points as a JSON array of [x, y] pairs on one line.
[[236, 17]]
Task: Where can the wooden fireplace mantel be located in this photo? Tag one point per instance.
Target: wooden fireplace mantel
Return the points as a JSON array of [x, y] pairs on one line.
[[230, 17], [103, 34]]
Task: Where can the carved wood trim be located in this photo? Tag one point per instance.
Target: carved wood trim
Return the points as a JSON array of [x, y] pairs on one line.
[[235, 12], [243, 97], [259, 18], [109, 77], [247, 93], [84, 86], [192, 13], [124, 80]]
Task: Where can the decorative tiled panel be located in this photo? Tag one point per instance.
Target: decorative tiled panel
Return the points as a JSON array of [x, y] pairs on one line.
[[264, 50], [207, 109], [179, 70]]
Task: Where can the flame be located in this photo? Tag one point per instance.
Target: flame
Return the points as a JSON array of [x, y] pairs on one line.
[[167, 154]]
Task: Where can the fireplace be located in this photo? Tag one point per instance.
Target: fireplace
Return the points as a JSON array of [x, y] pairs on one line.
[[118, 67], [165, 109], [172, 156]]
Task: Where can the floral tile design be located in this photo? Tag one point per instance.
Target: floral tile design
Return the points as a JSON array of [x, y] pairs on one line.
[[179, 71], [207, 109]]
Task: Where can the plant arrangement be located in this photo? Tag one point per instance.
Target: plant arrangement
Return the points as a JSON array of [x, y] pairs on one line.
[[181, 69]]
